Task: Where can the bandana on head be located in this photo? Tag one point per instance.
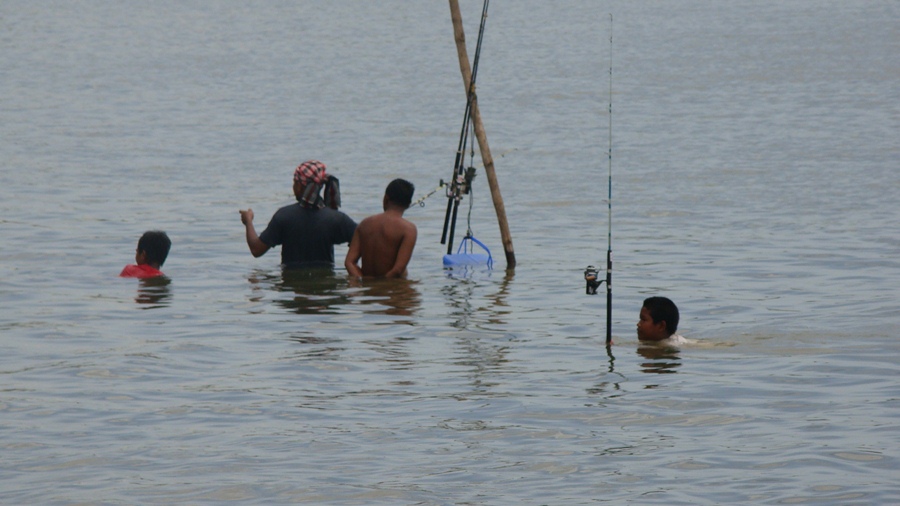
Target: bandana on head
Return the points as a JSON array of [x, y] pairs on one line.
[[312, 170], [313, 176]]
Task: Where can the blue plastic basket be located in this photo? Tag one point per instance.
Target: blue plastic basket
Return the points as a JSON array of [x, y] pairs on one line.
[[464, 257]]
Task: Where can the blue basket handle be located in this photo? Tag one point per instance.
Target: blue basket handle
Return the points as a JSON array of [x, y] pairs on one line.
[[462, 245]]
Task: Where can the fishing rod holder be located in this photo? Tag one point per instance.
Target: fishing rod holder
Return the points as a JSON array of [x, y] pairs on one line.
[[592, 280]]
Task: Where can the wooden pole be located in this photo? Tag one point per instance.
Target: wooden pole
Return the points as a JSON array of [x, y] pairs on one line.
[[480, 134]]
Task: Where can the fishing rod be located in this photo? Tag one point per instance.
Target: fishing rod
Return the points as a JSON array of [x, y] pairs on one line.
[[591, 274], [462, 178], [421, 201], [609, 202]]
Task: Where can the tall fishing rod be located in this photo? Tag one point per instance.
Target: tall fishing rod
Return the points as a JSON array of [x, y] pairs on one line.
[[462, 178], [609, 202], [591, 274]]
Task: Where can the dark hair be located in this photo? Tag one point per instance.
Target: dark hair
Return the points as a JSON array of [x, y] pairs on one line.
[[400, 192], [663, 309], [155, 244]]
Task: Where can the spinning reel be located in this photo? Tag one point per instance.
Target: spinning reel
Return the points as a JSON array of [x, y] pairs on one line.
[[592, 280]]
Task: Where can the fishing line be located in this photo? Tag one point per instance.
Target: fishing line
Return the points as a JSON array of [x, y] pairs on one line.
[[471, 191]]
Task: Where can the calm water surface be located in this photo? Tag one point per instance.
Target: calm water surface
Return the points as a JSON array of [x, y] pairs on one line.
[[755, 179]]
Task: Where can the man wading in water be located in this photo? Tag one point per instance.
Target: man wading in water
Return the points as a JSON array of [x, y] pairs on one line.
[[308, 230]]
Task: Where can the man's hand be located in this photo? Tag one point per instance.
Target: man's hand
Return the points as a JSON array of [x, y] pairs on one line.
[[257, 247]]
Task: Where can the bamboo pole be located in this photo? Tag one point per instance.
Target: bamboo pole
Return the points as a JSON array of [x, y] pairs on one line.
[[480, 134]]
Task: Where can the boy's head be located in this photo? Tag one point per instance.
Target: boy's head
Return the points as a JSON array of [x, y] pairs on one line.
[[400, 192], [153, 248], [659, 319]]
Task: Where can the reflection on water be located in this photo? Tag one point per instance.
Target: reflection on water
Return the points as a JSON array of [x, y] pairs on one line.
[[662, 359], [477, 303], [461, 297], [395, 297], [483, 358], [657, 359], [153, 292], [324, 291], [317, 349], [612, 379], [304, 291]]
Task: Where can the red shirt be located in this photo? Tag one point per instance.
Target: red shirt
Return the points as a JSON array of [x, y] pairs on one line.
[[140, 271]]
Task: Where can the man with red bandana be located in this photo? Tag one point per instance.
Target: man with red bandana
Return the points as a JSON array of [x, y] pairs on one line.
[[308, 230]]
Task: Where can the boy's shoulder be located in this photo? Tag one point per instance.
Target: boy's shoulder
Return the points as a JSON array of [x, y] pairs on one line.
[[371, 220], [678, 339], [386, 218], [140, 271]]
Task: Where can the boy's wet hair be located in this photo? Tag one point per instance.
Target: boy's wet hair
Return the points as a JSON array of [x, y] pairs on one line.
[[155, 244], [400, 192], [663, 309]]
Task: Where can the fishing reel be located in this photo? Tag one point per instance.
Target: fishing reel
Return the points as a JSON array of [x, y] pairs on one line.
[[592, 280], [470, 176], [462, 185]]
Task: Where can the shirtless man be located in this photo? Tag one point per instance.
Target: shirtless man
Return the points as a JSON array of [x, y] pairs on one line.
[[385, 241]]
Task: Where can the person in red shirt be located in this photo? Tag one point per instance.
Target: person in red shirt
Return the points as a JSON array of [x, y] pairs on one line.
[[152, 250]]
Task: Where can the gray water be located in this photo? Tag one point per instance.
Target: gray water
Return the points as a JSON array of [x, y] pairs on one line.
[[755, 173]]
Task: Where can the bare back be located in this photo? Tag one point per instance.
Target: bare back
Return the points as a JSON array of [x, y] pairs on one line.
[[385, 243]]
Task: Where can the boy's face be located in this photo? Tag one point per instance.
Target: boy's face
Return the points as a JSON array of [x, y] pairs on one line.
[[649, 331]]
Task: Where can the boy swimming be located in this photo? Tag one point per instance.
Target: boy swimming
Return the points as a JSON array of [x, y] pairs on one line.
[[152, 250], [658, 322]]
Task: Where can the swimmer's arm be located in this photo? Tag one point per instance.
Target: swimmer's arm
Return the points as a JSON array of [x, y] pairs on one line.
[[404, 254], [353, 256]]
